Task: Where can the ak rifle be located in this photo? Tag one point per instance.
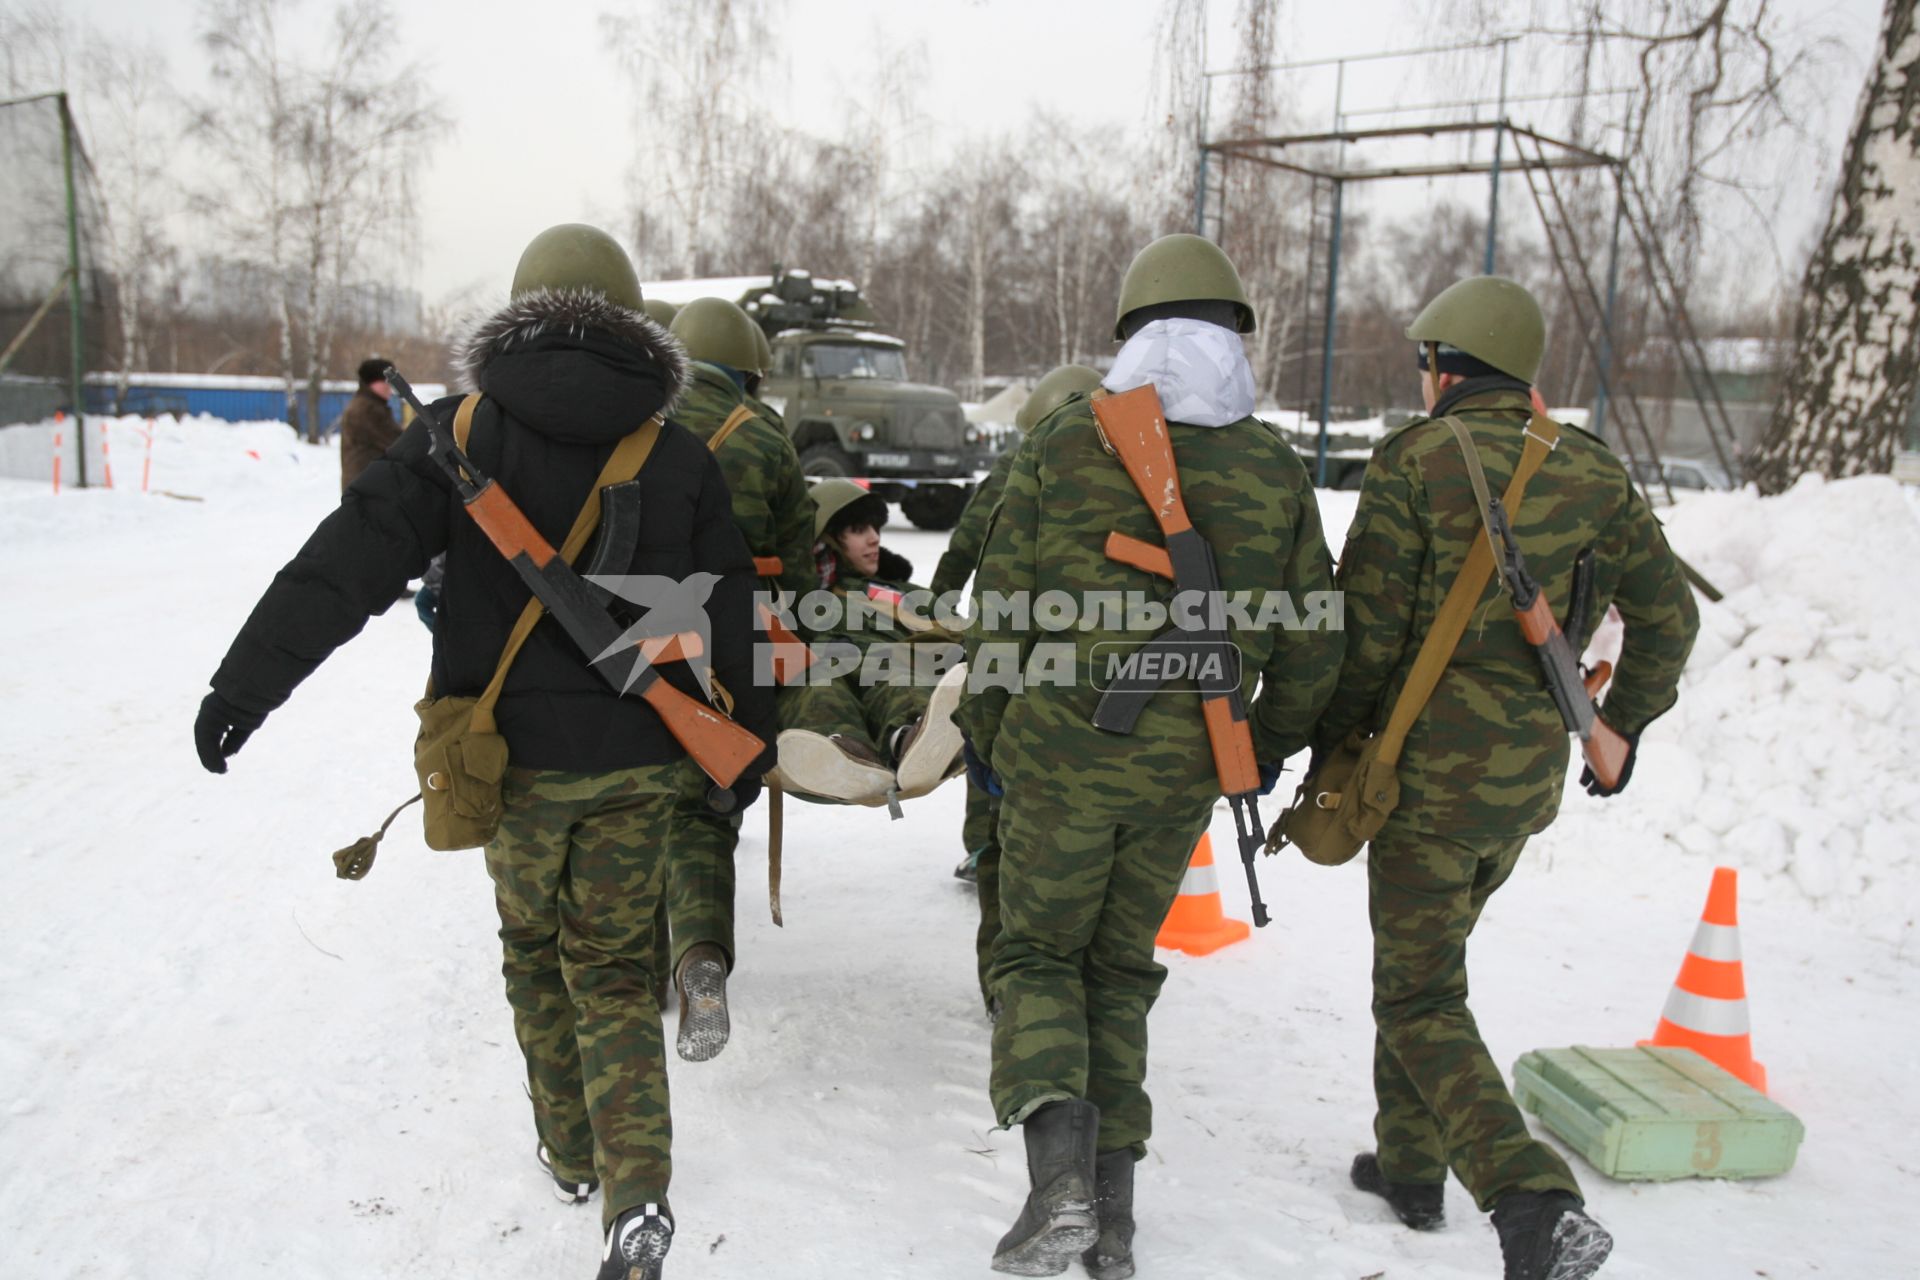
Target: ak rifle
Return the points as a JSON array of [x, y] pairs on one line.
[[1134, 427], [722, 748], [1606, 751]]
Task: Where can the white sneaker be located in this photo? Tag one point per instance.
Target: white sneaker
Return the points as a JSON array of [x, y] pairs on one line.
[[930, 752], [832, 767]]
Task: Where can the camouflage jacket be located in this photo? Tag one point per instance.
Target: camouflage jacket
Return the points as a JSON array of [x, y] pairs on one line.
[[770, 500], [1488, 754], [970, 534], [1249, 496]]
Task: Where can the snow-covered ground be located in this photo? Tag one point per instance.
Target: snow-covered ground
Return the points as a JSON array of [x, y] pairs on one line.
[[218, 1060]]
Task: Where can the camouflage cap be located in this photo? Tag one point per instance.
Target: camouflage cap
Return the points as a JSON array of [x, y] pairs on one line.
[[1053, 390], [1491, 318], [719, 332], [1182, 268], [576, 256], [836, 497]]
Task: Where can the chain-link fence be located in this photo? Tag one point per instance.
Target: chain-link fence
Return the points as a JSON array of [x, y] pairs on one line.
[[54, 295]]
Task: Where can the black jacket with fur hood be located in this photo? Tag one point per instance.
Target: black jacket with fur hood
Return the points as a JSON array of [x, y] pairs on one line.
[[565, 376]]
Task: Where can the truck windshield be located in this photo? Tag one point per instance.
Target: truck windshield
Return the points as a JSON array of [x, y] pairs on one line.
[[856, 360]]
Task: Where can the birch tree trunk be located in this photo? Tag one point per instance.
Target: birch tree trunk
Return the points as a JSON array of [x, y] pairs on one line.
[[1857, 347]]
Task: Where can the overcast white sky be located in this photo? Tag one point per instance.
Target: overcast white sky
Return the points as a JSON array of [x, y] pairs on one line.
[[542, 112]]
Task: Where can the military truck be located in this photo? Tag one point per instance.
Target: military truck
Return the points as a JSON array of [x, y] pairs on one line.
[[842, 386]]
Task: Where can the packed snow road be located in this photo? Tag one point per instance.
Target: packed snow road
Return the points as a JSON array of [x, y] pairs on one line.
[[219, 1060]]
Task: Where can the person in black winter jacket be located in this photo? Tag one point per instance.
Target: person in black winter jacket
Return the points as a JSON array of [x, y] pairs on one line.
[[569, 367]]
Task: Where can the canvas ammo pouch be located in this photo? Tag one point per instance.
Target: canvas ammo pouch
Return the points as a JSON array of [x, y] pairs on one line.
[[459, 754], [1348, 799]]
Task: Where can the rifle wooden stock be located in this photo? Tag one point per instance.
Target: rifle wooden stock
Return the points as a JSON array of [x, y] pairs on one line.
[[1537, 622], [1606, 753], [769, 566], [1139, 555], [1136, 428], [718, 745], [1233, 758]]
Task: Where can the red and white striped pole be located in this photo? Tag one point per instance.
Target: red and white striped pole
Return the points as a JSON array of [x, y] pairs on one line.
[[146, 467], [59, 446], [106, 459]]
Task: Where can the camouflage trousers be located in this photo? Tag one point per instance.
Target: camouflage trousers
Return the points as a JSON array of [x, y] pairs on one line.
[[980, 836], [1081, 899], [578, 867], [700, 874], [866, 713], [1441, 1099]]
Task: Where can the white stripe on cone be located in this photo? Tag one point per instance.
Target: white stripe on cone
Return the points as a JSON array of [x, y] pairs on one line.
[[1716, 942], [1199, 880], [1706, 1015]]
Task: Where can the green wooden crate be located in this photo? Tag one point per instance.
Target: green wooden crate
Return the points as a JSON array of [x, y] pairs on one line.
[[1656, 1114]]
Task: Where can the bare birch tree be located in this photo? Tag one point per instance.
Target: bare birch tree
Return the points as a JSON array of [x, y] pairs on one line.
[[1856, 367], [686, 62]]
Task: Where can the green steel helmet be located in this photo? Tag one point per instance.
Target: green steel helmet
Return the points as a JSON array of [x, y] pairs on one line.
[[717, 331], [1052, 391], [1490, 318], [837, 495], [576, 256], [659, 311], [1182, 268], [766, 348]]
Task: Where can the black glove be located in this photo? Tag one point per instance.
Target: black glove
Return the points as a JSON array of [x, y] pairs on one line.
[[978, 773], [220, 730], [745, 791], [1596, 788], [1269, 778]]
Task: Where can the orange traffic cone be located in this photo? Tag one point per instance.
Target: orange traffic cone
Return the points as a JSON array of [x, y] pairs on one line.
[[1707, 1011], [1196, 925]]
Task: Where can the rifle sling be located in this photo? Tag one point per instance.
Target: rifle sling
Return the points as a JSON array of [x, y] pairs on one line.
[[738, 418], [1542, 436], [622, 464]]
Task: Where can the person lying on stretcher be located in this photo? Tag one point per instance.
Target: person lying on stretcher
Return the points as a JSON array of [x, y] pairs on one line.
[[881, 729]]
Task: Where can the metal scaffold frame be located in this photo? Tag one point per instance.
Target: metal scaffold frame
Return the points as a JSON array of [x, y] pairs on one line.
[[1535, 156]]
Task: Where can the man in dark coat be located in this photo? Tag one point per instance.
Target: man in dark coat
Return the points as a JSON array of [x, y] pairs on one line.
[[367, 427], [568, 368]]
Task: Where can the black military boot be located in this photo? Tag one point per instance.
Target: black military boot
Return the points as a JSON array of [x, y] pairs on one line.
[[1111, 1257], [1058, 1219], [1544, 1235], [637, 1244], [1421, 1205], [566, 1190], [701, 982]]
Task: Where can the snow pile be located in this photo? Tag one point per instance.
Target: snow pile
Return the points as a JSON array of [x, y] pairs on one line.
[[196, 454], [1791, 751]]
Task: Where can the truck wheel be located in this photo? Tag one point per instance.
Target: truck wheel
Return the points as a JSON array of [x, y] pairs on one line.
[[935, 506], [823, 460]]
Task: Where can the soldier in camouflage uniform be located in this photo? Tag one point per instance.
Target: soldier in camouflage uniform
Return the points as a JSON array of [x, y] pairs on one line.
[[775, 515], [882, 732], [1096, 828], [982, 861], [569, 368], [1484, 765]]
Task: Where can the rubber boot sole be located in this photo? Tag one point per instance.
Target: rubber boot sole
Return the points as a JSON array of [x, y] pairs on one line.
[[1069, 1232], [704, 1021], [931, 757], [811, 764], [644, 1254], [1580, 1245]]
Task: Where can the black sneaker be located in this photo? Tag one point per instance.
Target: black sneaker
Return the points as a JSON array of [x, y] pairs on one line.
[[566, 1190], [637, 1244], [969, 868], [1545, 1235], [1421, 1205]]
